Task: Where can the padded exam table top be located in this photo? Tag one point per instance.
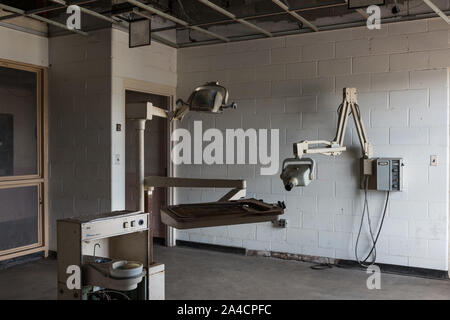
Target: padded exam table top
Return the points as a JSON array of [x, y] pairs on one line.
[[220, 213]]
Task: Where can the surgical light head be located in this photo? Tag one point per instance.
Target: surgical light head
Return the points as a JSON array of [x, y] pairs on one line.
[[211, 98], [297, 172]]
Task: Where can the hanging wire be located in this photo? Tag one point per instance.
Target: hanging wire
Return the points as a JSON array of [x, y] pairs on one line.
[[372, 251]]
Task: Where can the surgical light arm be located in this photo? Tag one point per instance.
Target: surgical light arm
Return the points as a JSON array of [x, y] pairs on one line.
[[348, 107], [210, 97]]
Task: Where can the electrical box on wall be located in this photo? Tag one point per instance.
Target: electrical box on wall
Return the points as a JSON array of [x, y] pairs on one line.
[[383, 174]]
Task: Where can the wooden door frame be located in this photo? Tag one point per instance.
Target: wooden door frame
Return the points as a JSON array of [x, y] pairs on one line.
[[170, 92], [41, 178]]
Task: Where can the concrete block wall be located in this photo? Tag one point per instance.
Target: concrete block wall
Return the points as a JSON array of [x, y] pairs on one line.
[[23, 47], [87, 99], [294, 84], [80, 121]]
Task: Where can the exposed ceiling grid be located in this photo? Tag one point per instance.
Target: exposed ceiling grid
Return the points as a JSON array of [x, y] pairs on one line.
[[181, 23]]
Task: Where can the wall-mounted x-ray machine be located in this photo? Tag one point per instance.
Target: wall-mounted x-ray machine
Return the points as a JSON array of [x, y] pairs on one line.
[[382, 174]]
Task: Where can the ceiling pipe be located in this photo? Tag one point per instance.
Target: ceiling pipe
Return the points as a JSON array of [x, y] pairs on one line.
[[42, 19], [234, 18], [437, 10], [295, 15], [176, 20]]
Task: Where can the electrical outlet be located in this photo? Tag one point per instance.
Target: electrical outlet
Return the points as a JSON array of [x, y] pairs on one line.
[[282, 223], [117, 159], [433, 160]]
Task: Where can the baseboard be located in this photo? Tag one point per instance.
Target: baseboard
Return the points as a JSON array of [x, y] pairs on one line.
[[213, 247], [401, 270], [5, 264], [159, 241], [52, 254], [387, 268]]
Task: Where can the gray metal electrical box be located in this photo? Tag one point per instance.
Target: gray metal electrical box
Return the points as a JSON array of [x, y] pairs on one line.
[[384, 174], [389, 174]]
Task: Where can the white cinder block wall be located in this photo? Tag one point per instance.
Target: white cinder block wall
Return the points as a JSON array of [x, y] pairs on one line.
[[87, 99], [80, 119], [23, 47], [294, 84]]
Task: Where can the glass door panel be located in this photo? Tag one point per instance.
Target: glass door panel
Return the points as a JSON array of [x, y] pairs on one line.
[[18, 122], [19, 218]]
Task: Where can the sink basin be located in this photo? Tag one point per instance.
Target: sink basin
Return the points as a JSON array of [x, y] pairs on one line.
[[102, 260], [125, 269]]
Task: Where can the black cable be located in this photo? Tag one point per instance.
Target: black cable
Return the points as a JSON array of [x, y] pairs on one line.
[[365, 206], [322, 266], [382, 221], [327, 265], [369, 222], [374, 240]]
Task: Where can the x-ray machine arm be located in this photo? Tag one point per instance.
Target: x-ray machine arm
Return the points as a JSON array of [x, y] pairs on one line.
[[333, 148]]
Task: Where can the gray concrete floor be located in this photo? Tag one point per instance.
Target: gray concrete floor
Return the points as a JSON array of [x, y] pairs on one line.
[[201, 274]]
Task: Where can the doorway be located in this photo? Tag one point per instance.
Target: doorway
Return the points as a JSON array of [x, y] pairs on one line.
[[156, 151], [23, 174]]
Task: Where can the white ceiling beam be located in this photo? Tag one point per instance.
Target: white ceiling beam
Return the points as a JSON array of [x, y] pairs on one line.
[[232, 16], [360, 11], [175, 19], [295, 15], [437, 10]]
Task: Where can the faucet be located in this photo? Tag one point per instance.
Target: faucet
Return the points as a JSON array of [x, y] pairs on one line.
[[95, 245]]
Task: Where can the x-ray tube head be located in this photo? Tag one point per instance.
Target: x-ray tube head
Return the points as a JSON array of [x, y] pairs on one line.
[[297, 172], [211, 98]]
